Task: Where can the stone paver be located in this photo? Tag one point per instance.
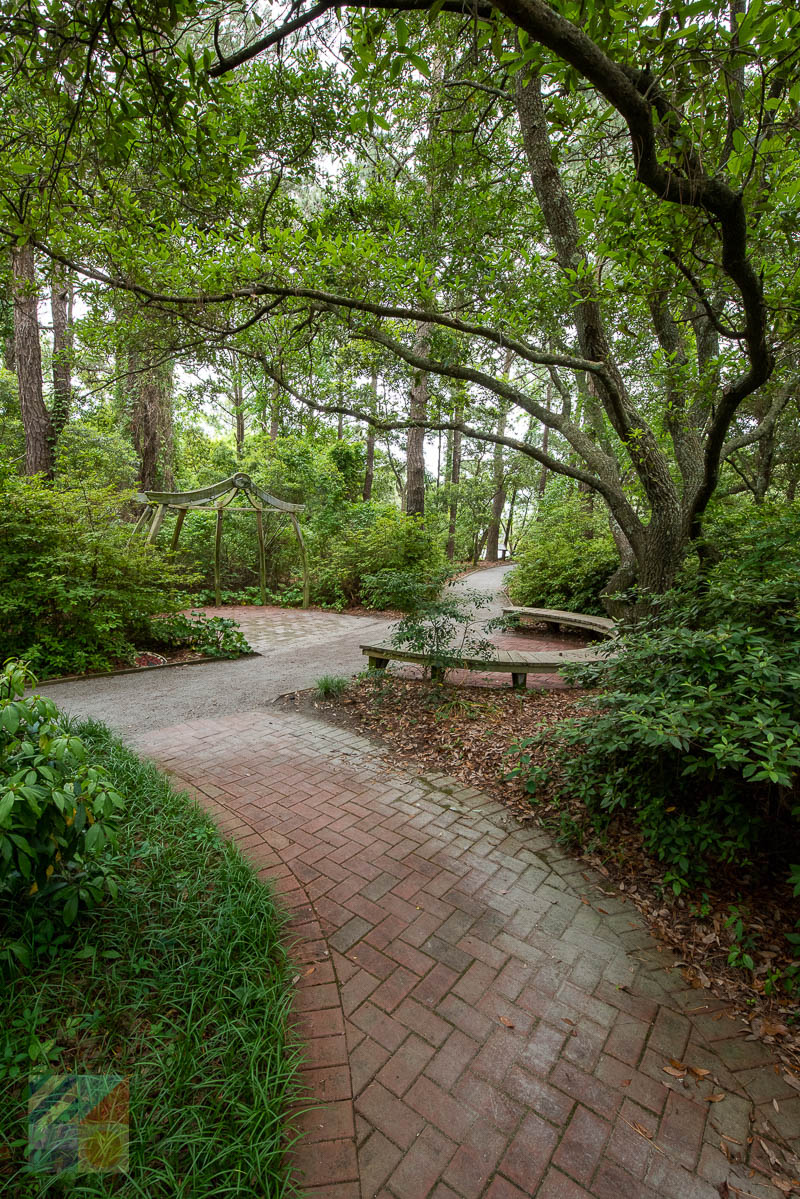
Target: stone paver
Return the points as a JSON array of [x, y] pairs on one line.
[[484, 1020]]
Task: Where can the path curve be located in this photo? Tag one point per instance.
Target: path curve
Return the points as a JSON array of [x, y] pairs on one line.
[[484, 1019]]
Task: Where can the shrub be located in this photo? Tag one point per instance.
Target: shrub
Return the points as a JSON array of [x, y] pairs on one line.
[[565, 560], [212, 636], [370, 553], [74, 584], [444, 630], [404, 590], [696, 731], [57, 809]]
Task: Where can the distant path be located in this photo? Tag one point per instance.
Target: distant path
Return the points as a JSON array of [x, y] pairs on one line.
[[297, 647], [489, 583]]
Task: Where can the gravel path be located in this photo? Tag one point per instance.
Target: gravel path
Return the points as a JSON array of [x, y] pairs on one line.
[[295, 648]]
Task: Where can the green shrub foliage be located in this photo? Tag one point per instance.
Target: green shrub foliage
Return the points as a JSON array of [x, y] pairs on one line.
[[566, 558], [74, 585], [376, 555], [58, 810], [696, 728], [211, 636]]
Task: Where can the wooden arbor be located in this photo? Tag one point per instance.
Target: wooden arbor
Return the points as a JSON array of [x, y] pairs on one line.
[[218, 498]]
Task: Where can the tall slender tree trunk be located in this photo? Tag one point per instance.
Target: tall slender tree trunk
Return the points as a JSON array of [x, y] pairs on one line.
[[150, 397], [454, 476], [61, 311], [499, 494], [510, 523], [275, 414], [542, 486], [415, 444], [38, 427], [369, 473], [238, 412]]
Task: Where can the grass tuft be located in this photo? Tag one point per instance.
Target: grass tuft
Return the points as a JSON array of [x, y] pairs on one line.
[[330, 686], [183, 985]]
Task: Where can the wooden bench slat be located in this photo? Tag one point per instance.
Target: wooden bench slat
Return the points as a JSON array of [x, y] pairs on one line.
[[576, 620]]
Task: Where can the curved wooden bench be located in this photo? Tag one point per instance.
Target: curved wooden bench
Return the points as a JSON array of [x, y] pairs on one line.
[[518, 663], [555, 618]]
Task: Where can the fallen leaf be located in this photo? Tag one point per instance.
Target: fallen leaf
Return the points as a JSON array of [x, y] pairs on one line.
[[775, 1105], [716, 1098], [783, 1184], [678, 1065], [674, 1072], [310, 970], [508, 1023], [699, 1072], [773, 1160]]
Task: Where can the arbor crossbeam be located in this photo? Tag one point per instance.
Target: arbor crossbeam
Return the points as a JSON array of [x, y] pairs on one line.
[[217, 498]]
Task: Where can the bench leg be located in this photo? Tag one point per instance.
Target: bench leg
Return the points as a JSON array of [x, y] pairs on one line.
[[437, 674], [519, 681], [377, 663]]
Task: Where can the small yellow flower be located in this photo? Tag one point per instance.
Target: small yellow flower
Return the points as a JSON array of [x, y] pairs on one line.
[[49, 871], [34, 889]]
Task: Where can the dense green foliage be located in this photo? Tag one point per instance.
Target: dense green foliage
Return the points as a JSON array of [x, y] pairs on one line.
[[211, 636], [58, 810], [373, 554], [74, 585], [696, 730], [179, 981], [565, 558]]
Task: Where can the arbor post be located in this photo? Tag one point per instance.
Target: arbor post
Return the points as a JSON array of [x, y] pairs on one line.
[[217, 557], [262, 557], [173, 545]]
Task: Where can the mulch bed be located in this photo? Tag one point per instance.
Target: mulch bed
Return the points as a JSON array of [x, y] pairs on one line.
[[467, 731]]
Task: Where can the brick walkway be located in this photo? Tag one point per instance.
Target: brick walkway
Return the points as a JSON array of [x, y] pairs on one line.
[[482, 1017]]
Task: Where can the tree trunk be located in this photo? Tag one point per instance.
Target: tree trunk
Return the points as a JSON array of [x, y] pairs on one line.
[[60, 308], [499, 495], [369, 474], [542, 486], [415, 444], [238, 413], [36, 421], [151, 424], [455, 475], [510, 523]]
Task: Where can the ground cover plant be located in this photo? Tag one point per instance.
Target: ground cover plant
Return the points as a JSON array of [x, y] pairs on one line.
[[178, 980], [210, 636]]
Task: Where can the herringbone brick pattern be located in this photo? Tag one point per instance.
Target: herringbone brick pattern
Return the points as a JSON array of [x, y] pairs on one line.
[[270, 627], [482, 1018]]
